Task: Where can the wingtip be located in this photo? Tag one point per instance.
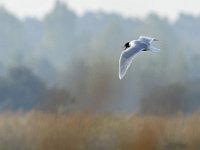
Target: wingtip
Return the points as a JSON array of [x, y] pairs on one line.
[[120, 77]]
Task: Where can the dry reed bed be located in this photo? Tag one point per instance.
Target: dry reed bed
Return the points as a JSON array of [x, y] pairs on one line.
[[85, 131]]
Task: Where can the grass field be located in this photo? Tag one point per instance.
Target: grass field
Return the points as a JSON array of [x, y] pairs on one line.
[[90, 131]]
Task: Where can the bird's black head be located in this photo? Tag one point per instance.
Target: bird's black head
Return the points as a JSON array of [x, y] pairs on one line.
[[126, 45]]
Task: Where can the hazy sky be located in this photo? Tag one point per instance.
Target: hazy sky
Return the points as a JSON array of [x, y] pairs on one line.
[[138, 8]]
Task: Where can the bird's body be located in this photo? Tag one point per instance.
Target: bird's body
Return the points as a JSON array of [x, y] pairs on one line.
[[143, 43]]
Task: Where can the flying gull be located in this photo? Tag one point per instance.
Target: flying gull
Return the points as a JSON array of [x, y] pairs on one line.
[[143, 43]]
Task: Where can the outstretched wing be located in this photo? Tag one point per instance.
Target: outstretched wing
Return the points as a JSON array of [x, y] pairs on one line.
[[127, 57]]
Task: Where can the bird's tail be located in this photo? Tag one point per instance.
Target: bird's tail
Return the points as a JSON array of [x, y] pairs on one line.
[[154, 49]]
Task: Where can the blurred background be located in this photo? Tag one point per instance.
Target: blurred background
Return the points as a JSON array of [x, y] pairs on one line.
[[62, 56], [59, 85]]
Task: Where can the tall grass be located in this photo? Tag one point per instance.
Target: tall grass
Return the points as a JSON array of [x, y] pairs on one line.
[[85, 131]]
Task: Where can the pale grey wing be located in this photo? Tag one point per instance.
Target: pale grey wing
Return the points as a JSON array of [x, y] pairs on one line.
[[127, 57]]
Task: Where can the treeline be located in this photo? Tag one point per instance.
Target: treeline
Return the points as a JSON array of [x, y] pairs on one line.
[[76, 57], [21, 89]]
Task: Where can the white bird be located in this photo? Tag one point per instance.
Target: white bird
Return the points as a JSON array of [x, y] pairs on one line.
[[143, 43]]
